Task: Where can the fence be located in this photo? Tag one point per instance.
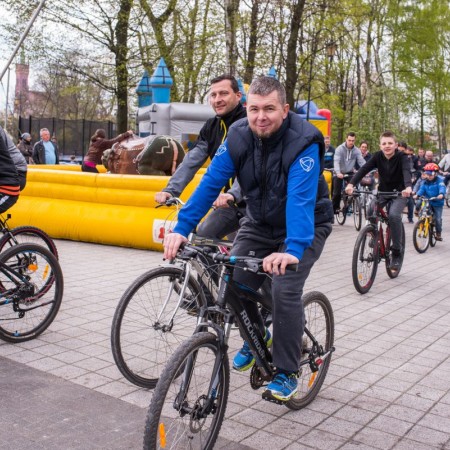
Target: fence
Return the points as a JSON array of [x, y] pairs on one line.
[[72, 136]]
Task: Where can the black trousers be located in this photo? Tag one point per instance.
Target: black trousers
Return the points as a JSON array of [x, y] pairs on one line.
[[287, 290]]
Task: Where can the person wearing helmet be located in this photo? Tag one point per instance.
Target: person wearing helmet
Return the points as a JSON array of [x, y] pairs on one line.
[[394, 174], [434, 187], [26, 147]]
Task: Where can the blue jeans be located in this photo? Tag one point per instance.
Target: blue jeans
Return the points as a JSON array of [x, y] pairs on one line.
[[438, 218]]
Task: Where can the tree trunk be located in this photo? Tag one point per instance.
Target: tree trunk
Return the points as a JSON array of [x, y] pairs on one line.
[[231, 10], [253, 41]]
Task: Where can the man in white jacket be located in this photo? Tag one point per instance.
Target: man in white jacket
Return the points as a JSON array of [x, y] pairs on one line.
[[444, 165]]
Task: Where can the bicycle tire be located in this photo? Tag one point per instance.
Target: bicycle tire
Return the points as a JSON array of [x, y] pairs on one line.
[[447, 196], [357, 213], [28, 234], [365, 259], [341, 215], [167, 427], [40, 295], [421, 238], [319, 319], [140, 344], [432, 235], [387, 259]]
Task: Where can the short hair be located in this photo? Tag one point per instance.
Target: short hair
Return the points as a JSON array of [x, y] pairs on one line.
[[44, 129], [265, 85], [403, 144], [389, 134], [230, 78], [364, 142], [351, 134]]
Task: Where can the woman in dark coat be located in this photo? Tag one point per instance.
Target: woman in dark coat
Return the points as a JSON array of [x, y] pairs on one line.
[[97, 146]]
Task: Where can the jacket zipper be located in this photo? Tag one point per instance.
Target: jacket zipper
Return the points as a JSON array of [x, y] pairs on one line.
[[264, 180]]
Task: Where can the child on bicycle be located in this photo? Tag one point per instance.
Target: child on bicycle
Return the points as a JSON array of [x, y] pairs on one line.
[[394, 174], [434, 186]]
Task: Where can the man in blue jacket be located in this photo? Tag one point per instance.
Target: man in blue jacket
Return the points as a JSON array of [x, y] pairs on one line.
[[278, 160]]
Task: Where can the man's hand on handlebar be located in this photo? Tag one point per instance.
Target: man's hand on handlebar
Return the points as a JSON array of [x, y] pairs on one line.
[[276, 263], [222, 200], [340, 175], [349, 189], [407, 192], [161, 197], [172, 243]]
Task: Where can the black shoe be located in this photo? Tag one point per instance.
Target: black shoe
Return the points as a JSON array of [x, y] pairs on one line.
[[438, 237], [396, 260]]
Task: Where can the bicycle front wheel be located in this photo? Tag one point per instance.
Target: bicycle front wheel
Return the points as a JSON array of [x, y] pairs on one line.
[[31, 291], [342, 213], [357, 213], [421, 235], [319, 320], [150, 322], [28, 234], [365, 259], [185, 412]]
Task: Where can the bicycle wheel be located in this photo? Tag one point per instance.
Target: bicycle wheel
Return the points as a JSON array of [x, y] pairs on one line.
[[365, 259], [387, 259], [320, 323], [31, 287], [178, 416], [421, 236], [357, 213], [28, 234], [432, 235], [342, 213], [447, 196], [147, 326]]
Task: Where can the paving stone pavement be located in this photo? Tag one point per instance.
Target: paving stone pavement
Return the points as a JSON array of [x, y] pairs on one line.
[[388, 386]]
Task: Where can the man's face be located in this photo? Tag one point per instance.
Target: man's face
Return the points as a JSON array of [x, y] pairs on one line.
[[429, 156], [222, 97], [421, 152], [327, 141], [265, 113], [388, 146], [45, 136], [364, 148], [401, 148], [350, 141]]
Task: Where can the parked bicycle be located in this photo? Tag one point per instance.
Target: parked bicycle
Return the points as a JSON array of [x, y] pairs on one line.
[[189, 401], [24, 234], [31, 290], [424, 233], [373, 244]]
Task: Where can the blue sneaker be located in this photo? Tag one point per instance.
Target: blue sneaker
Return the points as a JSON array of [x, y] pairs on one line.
[[244, 358], [282, 388]]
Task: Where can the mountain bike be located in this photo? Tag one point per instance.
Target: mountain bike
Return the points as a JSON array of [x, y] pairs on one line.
[[189, 401], [31, 290], [350, 204], [373, 244], [24, 234], [424, 232]]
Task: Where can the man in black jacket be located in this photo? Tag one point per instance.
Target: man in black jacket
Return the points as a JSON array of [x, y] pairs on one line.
[[225, 99], [9, 177], [45, 151], [394, 174]]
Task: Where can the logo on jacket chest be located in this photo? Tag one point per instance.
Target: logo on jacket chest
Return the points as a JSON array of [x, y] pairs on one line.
[[307, 163]]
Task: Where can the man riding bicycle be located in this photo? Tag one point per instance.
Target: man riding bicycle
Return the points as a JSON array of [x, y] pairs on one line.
[[394, 174], [346, 156], [278, 160], [225, 99]]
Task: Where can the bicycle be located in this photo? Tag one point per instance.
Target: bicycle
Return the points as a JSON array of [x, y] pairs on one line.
[[31, 290], [24, 234], [189, 401], [424, 232], [349, 204], [159, 311], [374, 244], [366, 186], [447, 195]]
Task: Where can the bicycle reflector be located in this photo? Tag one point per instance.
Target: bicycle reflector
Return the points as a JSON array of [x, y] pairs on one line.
[[162, 436]]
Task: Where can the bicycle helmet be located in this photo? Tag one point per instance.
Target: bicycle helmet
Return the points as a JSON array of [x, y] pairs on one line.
[[431, 167]]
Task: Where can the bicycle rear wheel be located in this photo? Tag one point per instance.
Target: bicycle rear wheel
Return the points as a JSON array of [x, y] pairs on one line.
[[28, 234], [143, 334], [357, 213], [432, 235], [393, 273], [178, 417], [31, 288], [447, 196], [365, 259], [320, 323], [421, 235]]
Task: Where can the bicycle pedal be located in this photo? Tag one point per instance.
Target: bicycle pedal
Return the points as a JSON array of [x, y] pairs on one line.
[[268, 398]]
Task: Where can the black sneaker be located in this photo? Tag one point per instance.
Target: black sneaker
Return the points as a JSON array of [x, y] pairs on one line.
[[396, 260]]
